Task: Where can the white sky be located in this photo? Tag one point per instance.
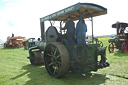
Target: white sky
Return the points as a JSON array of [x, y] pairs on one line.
[[21, 17]]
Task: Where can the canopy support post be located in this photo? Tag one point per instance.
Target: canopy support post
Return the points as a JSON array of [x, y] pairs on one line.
[[42, 31], [60, 27], [92, 29]]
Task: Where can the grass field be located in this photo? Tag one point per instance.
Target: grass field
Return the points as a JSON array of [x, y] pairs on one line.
[[15, 69]]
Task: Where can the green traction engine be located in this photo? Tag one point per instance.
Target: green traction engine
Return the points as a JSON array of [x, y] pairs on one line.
[[60, 57]]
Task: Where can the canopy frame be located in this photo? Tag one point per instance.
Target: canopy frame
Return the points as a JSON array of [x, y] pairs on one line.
[[77, 11]]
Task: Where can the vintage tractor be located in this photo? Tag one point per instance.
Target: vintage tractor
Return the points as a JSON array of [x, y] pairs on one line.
[[120, 41], [27, 43], [95, 40], [14, 42], [55, 51]]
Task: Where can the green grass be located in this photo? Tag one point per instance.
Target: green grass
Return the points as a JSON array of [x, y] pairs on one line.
[[118, 61], [15, 69]]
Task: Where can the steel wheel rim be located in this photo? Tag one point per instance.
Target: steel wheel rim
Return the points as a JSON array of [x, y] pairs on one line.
[[111, 47], [124, 48], [54, 60], [100, 43]]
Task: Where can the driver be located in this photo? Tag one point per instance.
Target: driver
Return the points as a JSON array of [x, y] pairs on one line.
[[121, 30], [70, 26], [126, 32]]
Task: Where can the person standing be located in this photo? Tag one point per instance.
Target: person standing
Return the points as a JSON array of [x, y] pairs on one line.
[[37, 43], [70, 26], [12, 35], [78, 32]]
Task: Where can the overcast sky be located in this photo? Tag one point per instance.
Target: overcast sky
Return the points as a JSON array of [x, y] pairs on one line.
[[21, 17]]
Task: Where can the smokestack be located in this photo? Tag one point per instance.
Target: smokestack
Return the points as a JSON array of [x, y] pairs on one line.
[[117, 27]]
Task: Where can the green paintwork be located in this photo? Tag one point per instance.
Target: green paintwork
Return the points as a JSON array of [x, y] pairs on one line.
[[83, 58], [89, 60]]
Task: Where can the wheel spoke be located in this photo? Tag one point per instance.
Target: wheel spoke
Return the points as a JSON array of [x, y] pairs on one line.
[[52, 50], [58, 56], [49, 54], [56, 69], [59, 59], [55, 51], [59, 62], [54, 61], [111, 47], [50, 64]]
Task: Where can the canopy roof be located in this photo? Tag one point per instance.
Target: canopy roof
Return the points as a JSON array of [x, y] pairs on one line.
[[122, 24], [87, 10]]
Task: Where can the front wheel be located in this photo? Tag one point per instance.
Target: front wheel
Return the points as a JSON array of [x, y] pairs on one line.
[[36, 58], [111, 48], [56, 59]]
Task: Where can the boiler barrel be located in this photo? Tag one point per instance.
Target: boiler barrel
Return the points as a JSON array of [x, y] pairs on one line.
[[42, 46]]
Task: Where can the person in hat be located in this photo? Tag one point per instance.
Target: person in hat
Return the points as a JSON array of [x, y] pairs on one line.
[[70, 26]]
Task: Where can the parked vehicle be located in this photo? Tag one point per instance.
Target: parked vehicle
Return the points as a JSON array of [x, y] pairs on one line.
[[14, 42], [60, 56], [120, 41], [27, 43], [95, 40]]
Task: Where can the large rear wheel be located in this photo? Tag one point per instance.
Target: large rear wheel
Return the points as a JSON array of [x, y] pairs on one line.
[[56, 59], [124, 48]]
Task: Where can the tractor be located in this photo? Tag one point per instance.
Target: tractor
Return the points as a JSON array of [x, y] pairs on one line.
[[54, 50], [14, 42], [120, 41]]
